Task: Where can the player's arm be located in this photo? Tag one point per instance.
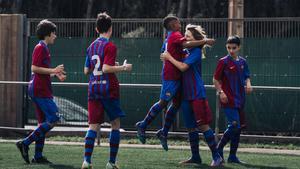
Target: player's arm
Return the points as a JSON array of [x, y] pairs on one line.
[[180, 65], [195, 43], [114, 69], [248, 87], [218, 83], [47, 71]]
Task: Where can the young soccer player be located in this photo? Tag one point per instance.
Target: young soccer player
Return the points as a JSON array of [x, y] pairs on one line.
[[171, 80], [40, 92], [196, 111], [232, 80], [103, 91]]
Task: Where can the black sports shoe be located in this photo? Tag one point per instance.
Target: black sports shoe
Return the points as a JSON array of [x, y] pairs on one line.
[[41, 160], [23, 150]]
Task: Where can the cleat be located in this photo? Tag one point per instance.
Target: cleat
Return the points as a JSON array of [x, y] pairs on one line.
[[191, 161], [110, 165], [23, 150], [217, 162], [86, 165], [141, 134], [234, 159], [163, 139], [41, 160]]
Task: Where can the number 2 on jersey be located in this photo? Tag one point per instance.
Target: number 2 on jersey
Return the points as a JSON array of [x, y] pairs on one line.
[[96, 71]]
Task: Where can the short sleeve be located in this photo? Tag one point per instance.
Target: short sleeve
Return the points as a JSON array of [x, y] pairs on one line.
[[219, 70], [38, 56], [195, 56], [87, 59], [110, 54], [246, 71]]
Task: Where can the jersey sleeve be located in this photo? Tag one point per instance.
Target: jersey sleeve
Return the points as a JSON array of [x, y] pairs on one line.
[[110, 54], [219, 70], [194, 56], [246, 71], [87, 59], [38, 56], [178, 39]]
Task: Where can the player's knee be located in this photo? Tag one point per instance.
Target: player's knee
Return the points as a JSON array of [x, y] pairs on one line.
[[191, 129], [204, 127], [115, 124], [163, 103], [94, 127]]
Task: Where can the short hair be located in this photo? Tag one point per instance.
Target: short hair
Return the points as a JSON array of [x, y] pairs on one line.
[[103, 22], [234, 40], [167, 20], [45, 28]]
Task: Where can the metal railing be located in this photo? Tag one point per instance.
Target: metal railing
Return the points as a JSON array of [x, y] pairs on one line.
[[153, 28], [147, 87]]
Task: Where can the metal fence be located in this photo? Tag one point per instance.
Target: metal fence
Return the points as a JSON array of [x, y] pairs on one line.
[[270, 46], [153, 28]]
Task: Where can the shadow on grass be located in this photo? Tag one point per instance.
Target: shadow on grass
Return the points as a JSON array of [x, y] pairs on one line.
[[260, 166], [61, 166]]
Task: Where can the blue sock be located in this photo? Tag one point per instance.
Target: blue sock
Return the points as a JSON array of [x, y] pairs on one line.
[[37, 133], [234, 144], [211, 142], [153, 112], [89, 144], [39, 145], [114, 141], [224, 140], [194, 143], [169, 119]]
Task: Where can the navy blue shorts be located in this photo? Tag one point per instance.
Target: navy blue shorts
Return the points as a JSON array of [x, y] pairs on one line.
[[169, 89], [232, 114], [48, 107]]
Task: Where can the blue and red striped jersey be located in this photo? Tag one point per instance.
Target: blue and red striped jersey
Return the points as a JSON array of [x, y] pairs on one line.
[[40, 84], [173, 44], [233, 74], [101, 85], [193, 85]]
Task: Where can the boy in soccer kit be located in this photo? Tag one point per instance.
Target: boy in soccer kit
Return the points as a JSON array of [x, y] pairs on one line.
[[232, 81], [40, 92], [103, 91], [196, 112], [171, 81]]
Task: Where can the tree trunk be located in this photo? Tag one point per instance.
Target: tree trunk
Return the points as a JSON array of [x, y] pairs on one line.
[[189, 8], [181, 10]]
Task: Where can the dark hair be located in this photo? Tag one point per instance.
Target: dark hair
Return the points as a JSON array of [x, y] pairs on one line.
[[233, 39], [45, 28], [103, 22], [167, 20]]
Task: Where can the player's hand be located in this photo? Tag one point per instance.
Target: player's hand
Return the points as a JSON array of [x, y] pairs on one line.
[[127, 67], [117, 64], [165, 56], [223, 98], [248, 89], [61, 77], [58, 69], [210, 41]]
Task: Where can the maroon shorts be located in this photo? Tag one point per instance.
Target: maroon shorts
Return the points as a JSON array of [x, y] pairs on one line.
[[96, 112]]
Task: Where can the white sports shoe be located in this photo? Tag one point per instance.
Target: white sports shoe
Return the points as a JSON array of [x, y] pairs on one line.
[[86, 165], [110, 165], [217, 162]]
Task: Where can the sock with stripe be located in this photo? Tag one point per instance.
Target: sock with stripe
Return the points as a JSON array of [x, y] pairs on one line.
[[234, 144], [89, 145], [114, 141], [211, 142], [169, 119], [153, 112], [224, 140], [39, 145], [37, 133]]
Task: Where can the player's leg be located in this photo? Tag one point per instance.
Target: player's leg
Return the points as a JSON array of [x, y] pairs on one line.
[[191, 125], [95, 118], [203, 118], [114, 112], [39, 144], [235, 139], [50, 110], [170, 91]]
